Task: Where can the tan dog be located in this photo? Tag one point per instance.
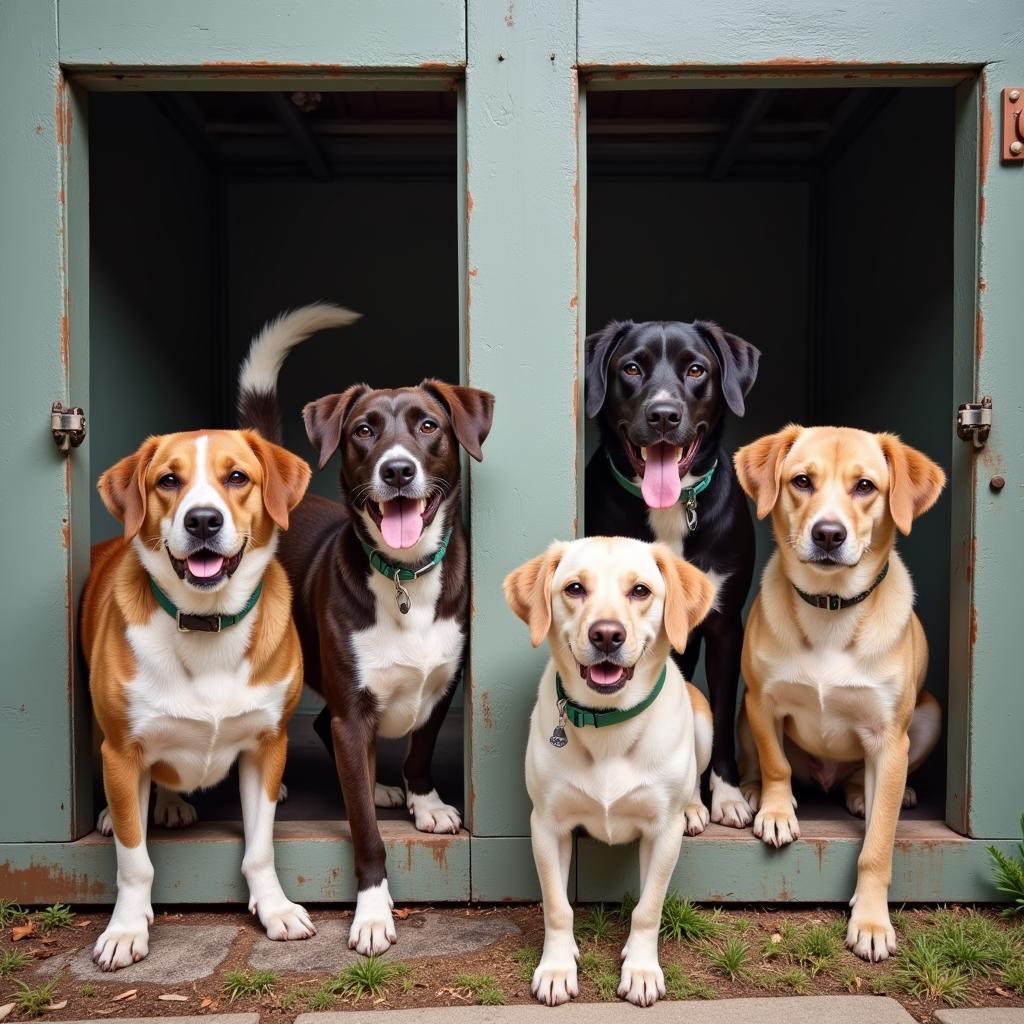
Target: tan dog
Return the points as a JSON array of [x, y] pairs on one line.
[[834, 657], [194, 661], [619, 763]]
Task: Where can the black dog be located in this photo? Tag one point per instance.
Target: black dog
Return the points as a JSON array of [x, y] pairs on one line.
[[659, 391]]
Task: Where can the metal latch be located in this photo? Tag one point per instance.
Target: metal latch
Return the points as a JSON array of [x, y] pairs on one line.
[[974, 421], [67, 425], [1013, 124]]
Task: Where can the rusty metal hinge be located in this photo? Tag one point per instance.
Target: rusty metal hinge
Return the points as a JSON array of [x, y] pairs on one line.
[[1013, 123], [67, 426], [974, 421]]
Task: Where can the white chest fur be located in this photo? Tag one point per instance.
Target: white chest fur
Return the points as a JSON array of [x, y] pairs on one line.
[[407, 661], [191, 704]]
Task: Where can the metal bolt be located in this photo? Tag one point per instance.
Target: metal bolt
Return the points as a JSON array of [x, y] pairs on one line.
[[997, 483], [1016, 147], [1014, 95]]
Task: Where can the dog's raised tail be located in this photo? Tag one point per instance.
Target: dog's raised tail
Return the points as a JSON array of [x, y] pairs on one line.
[[257, 380]]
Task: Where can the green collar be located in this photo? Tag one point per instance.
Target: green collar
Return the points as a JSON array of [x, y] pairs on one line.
[[687, 496], [399, 573], [188, 623], [835, 603], [581, 716]]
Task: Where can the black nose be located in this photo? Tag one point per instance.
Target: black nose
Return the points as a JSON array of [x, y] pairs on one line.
[[607, 635], [664, 416], [397, 472], [828, 536], [203, 523]]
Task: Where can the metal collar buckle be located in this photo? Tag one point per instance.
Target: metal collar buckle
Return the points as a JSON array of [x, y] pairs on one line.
[[198, 623]]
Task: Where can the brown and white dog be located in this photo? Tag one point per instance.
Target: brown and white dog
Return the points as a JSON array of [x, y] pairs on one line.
[[194, 660], [834, 657], [612, 609], [385, 654]]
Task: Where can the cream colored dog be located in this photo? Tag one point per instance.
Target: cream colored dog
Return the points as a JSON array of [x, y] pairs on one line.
[[618, 739], [834, 657]]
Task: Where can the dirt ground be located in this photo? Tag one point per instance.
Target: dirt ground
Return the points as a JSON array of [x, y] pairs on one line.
[[501, 972]]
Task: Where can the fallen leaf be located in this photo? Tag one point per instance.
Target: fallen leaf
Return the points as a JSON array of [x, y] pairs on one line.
[[1004, 993], [58, 1006], [49, 942], [776, 938], [84, 923], [401, 913], [128, 994], [857, 982], [205, 1003], [23, 931], [6, 1009], [104, 1011], [173, 997]]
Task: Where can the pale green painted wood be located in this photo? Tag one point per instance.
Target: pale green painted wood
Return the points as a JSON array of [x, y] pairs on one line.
[[36, 695], [203, 865], [331, 34], [521, 342], [812, 32]]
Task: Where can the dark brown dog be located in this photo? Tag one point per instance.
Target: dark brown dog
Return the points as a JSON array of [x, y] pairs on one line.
[[384, 653]]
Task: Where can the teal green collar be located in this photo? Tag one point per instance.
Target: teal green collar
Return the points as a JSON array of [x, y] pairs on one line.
[[398, 573], [188, 623], [581, 716], [835, 603], [687, 496]]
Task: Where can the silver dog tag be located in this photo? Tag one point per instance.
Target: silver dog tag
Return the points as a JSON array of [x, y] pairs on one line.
[[558, 737], [402, 597]]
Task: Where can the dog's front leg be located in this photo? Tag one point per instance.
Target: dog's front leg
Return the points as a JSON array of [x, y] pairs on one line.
[[642, 980], [373, 925], [127, 784], [723, 639], [430, 812], [775, 821], [555, 979], [259, 783], [870, 933]]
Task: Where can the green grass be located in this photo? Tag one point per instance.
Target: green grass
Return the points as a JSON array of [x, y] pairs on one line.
[[599, 968], [527, 959], [793, 980], [731, 959], [289, 999], [817, 949], [922, 973], [680, 919], [1013, 977], [13, 960], [482, 987], [321, 999], [245, 983], [784, 947], [408, 984], [10, 912], [33, 1001], [57, 916], [89, 990], [679, 986], [1008, 875], [369, 977], [607, 984], [626, 908], [597, 924]]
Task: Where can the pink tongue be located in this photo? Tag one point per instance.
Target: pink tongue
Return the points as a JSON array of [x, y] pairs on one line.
[[401, 523], [605, 673], [204, 564], [661, 484]]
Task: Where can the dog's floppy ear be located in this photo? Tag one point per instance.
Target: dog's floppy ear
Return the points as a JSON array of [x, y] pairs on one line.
[[528, 591], [599, 349], [123, 487], [285, 476], [689, 595], [759, 467], [737, 359], [324, 419], [470, 409], [915, 482]]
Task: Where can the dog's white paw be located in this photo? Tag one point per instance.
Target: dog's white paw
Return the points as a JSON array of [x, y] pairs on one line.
[[282, 794], [105, 823], [172, 811], [870, 933], [283, 920], [388, 796], [697, 817], [373, 926], [555, 981], [642, 981], [728, 804], [432, 814], [776, 824], [122, 944]]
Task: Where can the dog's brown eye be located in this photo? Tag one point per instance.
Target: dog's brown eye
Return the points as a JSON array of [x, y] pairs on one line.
[[640, 591], [363, 430], [168, 482], [631, 370], [696, 371], [575, 590], [864, 487], [802, 482], [236, 478], [428, 427]]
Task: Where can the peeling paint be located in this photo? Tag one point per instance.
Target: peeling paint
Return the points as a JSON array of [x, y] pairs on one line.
[[974, 624], [509, 20], [48, 883], [985, 142], [485, 710]]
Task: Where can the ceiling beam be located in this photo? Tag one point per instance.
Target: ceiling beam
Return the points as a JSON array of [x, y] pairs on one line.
[[743, 127], [857, 110], [301, 135]]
